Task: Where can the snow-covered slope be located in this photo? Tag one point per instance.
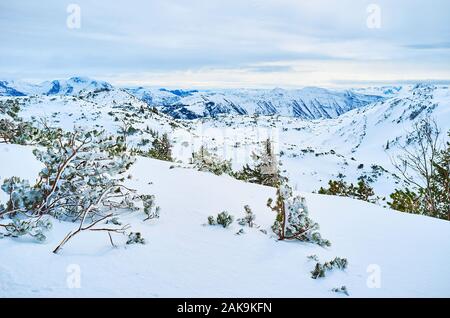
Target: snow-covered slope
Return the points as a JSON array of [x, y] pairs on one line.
[[312, 151], [98, 109], [306, 103], [405, 254], [353, 144]]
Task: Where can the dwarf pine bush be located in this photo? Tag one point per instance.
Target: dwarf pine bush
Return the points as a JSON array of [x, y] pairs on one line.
[[292, 221], [224, 219], [135, 238], [22, 227], [321, 269], [203, 160], [82, 181], [249, 218], [362, 191]]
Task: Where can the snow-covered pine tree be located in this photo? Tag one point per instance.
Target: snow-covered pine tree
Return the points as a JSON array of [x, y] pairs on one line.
[[292, 221], [161, 148], [265, 169]]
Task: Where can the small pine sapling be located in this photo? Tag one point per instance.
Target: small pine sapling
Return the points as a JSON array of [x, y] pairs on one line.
[[249, 218], [150, 208], [211, 220]]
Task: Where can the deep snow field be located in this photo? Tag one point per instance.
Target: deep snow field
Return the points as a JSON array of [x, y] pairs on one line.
[[390, 254]]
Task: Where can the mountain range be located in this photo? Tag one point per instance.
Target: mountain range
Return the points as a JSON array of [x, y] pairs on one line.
[[306, 103]]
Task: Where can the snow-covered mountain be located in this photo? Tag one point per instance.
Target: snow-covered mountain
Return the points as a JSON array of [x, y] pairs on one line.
[[71, 86], [306, 103], [312, 151]]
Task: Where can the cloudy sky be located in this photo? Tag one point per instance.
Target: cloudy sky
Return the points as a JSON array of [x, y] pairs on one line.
[[227, 43]]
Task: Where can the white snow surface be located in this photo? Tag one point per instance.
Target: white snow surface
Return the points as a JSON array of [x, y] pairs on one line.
[[184, 258]]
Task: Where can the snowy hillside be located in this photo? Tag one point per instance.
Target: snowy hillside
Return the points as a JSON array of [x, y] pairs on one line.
[[312, 151], [184, 258], [112, 110], [353, 144]]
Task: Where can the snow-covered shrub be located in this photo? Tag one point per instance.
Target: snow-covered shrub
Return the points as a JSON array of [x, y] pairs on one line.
[[135, 238], [81, 172], [150, 208], [249, 218], [34, 227], [22, 197], [292, 220], [321, 269], [81, 181], [17, 132], [224, 219], [211, 220], [362, 191], [203, 160], [14, 130], [10, 107]]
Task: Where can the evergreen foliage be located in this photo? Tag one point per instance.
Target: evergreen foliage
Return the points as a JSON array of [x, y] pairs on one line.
[[224, 219], [135, 238], [425, 166], [249, 219], [292, 220], [203, 160], [321, 269], [150, 208], [362, 191], [21, 227], [265, 169], [80, 182], [161, 148]]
